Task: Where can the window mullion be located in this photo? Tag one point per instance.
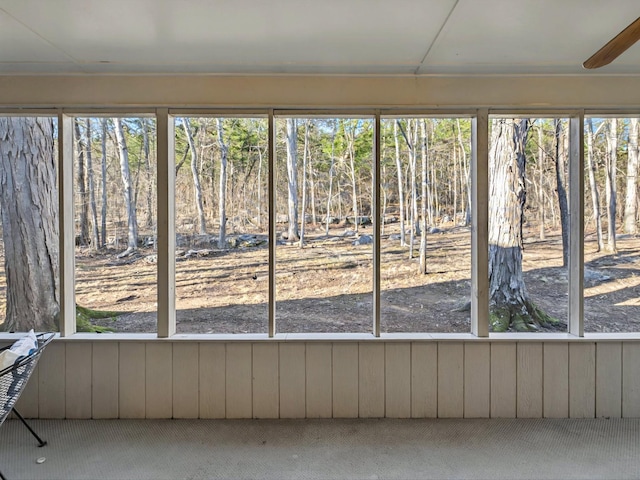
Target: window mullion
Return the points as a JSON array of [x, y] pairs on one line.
[[576, 225]]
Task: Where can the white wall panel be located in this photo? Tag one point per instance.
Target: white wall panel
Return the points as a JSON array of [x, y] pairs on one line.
[[582, 378], [503, 380], [424, 380], [185, 380], [131, 380], [52, 381], [105, 384], [631, 380], [529, 380], [78, 376], [371, 380], [318, 388], [292, 380], [266, 399], [27, 404], [450, 379], [609, 379], [159, 380], [477, 376], [238, 387], [345, 380], [212, 383], [555, 383], [397, 380]]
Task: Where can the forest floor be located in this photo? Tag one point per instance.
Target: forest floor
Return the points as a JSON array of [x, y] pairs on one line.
[[327, 285]]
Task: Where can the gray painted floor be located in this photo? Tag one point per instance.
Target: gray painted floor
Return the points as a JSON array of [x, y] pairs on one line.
[[322, 449]]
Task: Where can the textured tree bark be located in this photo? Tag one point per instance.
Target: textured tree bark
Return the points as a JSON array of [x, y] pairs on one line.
[[81, 147], [303, 222], [29, 204], [103, 161], [423, 199], [95, 236], [595, 196], [610, 183], [631, 197], [562, 191], [292, 179], [400, 183], [510, 306], [132, 222]]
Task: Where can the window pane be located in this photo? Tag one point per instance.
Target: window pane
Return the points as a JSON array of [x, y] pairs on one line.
[[324, 274], [115, 222], [528, 224], [425, 234], [222, 266], [29, 256], [611, 244]]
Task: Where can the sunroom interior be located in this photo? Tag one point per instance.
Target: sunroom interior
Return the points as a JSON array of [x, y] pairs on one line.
[[383, 64]]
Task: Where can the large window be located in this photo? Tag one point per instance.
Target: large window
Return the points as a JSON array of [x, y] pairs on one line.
[[115, 223], [317, 222], [611, 243]]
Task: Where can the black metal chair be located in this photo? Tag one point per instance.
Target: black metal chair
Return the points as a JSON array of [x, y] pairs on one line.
[[13, 379]]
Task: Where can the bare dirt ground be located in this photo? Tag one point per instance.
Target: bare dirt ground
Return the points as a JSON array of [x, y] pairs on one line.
[[326, 286]]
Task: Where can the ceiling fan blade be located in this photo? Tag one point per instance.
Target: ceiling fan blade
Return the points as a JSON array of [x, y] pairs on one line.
[[615, 47]]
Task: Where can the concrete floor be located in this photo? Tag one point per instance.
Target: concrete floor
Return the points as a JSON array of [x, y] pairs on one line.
[[323, 449]]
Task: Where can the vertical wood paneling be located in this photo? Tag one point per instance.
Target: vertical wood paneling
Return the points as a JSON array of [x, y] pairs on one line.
[[159, 380], [345, 380], [51, 381], [371, 380], [397, 361], [450, 380], [424, 380], [212, 384], [27, 404], [266, 400], [477, 376], [631, 380], [105, 396], [609, 379], [185, 380], [78, 372], [319, 390], [503, 380], [292, 380], [582, 380], [555, 382], [529, 380], [131, 378], [238, 380]]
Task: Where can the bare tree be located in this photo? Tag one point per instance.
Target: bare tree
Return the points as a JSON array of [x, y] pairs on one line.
[[103, 210], [81, 147], [132, 222], [292, 179], [197, 189], [222, 202], [304, 182], [511, 307], [591, 167], [396, 124], [95, 234], [561, 189], [423, 194], [147, 164], [610, 182], [332, 174], [28, 201], [631, 206]]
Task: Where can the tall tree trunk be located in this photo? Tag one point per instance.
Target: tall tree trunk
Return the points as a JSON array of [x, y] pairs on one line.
[[400, 182], [303, 222], [412, 130], [423, 200], [352, 168], [292, 179], [467, 175], [81, 183], [103, 210], [610, 183], [591, 169], [562, 191], [127, 188], [197, 189], [95, 235], [147, 166], [29, 206], [631, 198], [540, 187], [222, 202], [510, 305], [332, 168]]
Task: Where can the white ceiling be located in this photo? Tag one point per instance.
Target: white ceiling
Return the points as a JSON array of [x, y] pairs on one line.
[[311, 36]]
